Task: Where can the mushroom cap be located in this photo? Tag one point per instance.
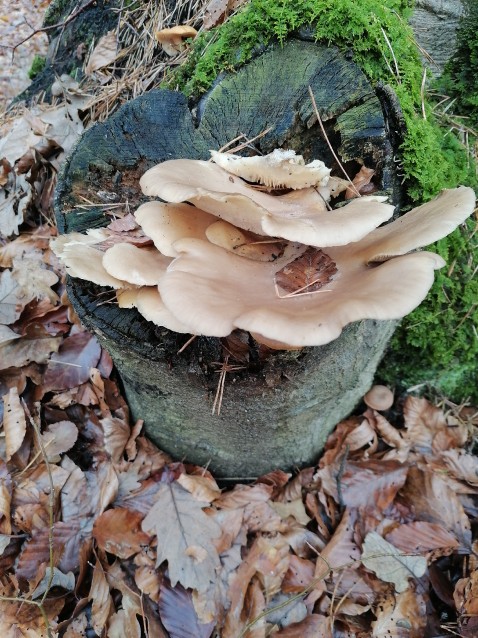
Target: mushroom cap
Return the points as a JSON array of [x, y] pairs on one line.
[[379, 397], [213, 291], [137, 266], [294, 218], [83, 260], [419, 227], [172, 40], [150, 305], [279, 169], [166, 223], [243, 243]]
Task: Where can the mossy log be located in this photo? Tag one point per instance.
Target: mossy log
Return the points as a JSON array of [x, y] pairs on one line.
[[277, 411]]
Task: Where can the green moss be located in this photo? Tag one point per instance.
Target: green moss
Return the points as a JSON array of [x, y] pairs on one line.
[[439, 336], [37, 66]]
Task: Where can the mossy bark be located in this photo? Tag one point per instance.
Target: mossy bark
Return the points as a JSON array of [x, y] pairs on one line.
[[276, 412]]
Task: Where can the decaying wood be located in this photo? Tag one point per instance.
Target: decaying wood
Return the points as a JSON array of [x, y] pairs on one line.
[[277, 411]]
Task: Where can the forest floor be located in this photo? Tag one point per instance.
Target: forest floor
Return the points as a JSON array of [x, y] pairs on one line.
[[101, 533]]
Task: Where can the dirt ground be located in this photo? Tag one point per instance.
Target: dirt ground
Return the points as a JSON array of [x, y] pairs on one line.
[[19, 18]]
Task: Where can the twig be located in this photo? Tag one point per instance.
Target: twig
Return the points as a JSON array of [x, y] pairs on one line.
[[422, 93], [58, 25], [322, 128]]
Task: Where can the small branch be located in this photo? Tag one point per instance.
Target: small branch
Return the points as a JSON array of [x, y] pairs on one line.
[[52, 27], [322, 128]]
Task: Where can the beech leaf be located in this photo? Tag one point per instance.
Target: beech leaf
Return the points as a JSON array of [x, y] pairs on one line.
[[308, 273], [103, 54], [184, 532], [14, 423], [389, 564], [177, 613]]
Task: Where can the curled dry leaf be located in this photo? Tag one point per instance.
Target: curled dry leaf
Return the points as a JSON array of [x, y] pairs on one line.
[[362, 183], [313, 626], [14, 423], [391, 565], [103, 54], [102, 603], [203, 488], [116, 433], [428, 429], [5, 500]]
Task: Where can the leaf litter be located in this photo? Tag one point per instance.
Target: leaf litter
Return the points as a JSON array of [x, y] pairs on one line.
[[101, 531]]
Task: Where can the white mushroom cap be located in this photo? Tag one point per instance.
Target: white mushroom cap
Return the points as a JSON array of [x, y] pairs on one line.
[[137, 266], [279, 169], [214, 291], [214, 190], [150, 305], [166, 223], [83, 260], [419, 227]]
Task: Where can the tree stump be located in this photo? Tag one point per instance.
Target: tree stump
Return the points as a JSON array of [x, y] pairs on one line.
[[278, 411]]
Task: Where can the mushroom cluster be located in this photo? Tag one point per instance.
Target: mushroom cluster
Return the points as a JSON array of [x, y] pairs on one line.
[[253, 243]]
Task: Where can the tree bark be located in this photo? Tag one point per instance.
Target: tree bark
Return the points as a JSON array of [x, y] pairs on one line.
[[278, 411]]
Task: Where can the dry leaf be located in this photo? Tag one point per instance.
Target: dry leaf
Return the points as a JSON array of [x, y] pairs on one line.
[[179, 522], [218, 10], [71, 366], [293, 508], [59, 438], [314, 626], [420, 537], [13, 297], [118, 531], [307, 273], [14, 423], [362, 183], [102, 604], [203, 488], [177, 613], [21, 352], [402, 616], [34, 279], [117, 433], [389, 563], [5, 500], [103, 54]]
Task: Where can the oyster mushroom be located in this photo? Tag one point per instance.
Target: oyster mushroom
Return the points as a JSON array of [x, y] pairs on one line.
[[279, 169], [301, 216]]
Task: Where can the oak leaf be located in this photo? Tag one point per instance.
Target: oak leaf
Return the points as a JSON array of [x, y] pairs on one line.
[[180, 524]]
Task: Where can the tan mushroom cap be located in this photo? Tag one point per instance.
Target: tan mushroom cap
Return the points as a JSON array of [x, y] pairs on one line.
[[419, 227], [379, 397], [151, 307], [166, 223], [83, 260], [137, 266], [213, 291], [172, 40], [243, 243], [279, 169], [127, 297], [217, 192]]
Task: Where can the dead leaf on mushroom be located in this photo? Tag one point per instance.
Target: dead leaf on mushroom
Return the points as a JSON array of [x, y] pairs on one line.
[[308, 273]]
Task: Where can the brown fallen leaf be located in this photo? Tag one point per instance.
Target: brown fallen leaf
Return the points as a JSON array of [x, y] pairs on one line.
[[14, 423], [5, 499], [58, 438], [118, 531], [314, 626], [218, 10], [362, 183], [21, 352], [178, 615], [401, 616], [420, 537], [71, 366], [102, 604], [428, 429], [104, 53], [179, 523], [307, 273], [203, 488]]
